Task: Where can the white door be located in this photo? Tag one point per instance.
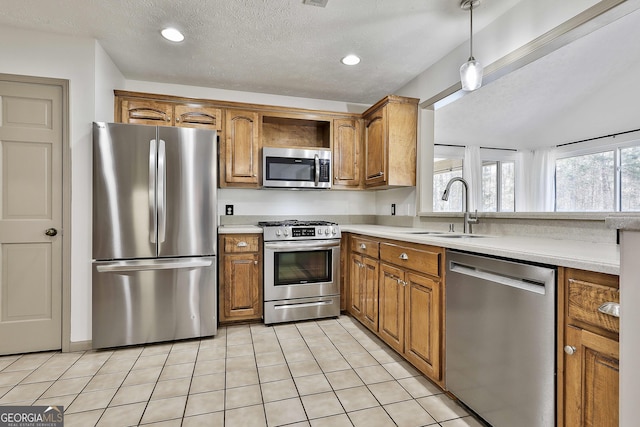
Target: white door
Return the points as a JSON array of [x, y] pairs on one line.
[[31, 138]]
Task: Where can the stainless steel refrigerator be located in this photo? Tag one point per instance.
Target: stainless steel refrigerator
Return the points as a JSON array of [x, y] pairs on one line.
[[154, 234]]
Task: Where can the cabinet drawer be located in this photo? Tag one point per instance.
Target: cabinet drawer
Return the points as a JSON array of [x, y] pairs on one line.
[[365, 246], [415, 259], [241, 243], [584, 300]]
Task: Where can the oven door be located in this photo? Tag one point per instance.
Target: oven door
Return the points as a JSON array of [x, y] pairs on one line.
[[301, 269]]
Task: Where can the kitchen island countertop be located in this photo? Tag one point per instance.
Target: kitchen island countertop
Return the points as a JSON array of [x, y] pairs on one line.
[[598, 257]]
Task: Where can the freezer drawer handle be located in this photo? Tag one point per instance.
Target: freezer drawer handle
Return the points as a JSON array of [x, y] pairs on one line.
[[610, 308], [109, 268]]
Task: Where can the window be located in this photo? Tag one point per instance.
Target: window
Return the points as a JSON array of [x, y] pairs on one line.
[[630, 178], [601, 181], [498, 186], [443, 171]]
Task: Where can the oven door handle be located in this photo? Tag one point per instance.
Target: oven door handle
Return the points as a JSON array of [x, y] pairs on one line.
[[303, 246]]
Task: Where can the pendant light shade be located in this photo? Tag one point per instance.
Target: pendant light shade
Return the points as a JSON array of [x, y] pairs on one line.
[[471, 74], [470, 71]]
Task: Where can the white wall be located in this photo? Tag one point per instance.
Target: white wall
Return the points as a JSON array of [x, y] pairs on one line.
[[248, 202], [48, 55], [523, 23]]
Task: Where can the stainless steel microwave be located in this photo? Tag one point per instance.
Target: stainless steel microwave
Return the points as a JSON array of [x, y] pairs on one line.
[[296, 168]]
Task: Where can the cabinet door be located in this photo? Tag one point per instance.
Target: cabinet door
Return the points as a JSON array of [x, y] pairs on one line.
[[370, 291], [146, 112], [392, 306], [356, 285], [346, 152], [376, 148], [198, 117], [591, 380], [423, 325], [241, 299], [241, 148]]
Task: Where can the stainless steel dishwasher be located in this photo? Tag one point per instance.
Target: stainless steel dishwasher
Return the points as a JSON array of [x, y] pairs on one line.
[[501, 339]]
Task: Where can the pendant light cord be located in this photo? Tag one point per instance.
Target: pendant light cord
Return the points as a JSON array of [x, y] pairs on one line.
[[471, 30]]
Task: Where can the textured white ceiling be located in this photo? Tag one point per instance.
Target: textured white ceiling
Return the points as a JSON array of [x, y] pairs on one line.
[[586, 89], [268, 46]]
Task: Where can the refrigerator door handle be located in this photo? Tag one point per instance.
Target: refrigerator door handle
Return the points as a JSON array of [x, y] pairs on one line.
[[145, 266], [153, 219], [162, 192]]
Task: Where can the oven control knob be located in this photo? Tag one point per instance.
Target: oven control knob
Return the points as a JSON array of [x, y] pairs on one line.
[[278, 232], [286, 232], [334, 231]]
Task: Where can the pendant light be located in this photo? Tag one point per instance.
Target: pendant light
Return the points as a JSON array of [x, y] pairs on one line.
[[471, 71]]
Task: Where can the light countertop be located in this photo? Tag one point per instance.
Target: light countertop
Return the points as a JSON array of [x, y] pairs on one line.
[[629, 223], [239, 229], [598, 257]]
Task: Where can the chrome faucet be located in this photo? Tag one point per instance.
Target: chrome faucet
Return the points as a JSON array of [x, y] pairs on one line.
[[468, 219]]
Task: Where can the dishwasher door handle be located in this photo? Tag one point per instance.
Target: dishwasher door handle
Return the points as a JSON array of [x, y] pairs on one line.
[[490, 276]]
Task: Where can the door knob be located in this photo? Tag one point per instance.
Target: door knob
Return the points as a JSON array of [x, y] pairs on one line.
[[51, 232]]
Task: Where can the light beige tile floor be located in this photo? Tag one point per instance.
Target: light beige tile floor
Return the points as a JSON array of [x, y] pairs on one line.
[[330, 372]]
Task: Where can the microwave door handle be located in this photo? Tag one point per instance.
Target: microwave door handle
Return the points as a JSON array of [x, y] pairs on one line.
[[317, 161]]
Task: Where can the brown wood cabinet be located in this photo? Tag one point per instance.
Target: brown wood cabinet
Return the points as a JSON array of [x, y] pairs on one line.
[[376, 149], [588, 349], [404, 302], [134, 109], [347, 153], [240, 277], [242, 149], [411, 304], [390, 141], [363, 283]]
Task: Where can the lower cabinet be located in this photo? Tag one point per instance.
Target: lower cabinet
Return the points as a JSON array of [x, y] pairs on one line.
[[395, 289], [590, 349], [364, 290], [240, 277]]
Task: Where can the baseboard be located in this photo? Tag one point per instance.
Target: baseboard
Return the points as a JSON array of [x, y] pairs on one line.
[[80, 346]]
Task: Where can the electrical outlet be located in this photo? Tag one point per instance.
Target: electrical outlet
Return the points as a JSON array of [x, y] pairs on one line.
[[393, 208], [228, 209]]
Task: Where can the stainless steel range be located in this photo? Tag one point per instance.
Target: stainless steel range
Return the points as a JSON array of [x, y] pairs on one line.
[[301, 270]]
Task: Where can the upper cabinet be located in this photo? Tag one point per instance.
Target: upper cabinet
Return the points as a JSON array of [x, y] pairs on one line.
[[347, 153], [390, 140], [194, 116], [373, 150], [240, 150], [144, 111]]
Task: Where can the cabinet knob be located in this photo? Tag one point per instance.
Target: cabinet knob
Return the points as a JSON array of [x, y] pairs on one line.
[[178, 119], [404, 256], [363, 246], [255, 262], [242, 244], [569, 349]]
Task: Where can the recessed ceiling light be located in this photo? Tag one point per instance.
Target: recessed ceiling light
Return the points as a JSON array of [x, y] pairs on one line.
[[172, 34], [350, 60]]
